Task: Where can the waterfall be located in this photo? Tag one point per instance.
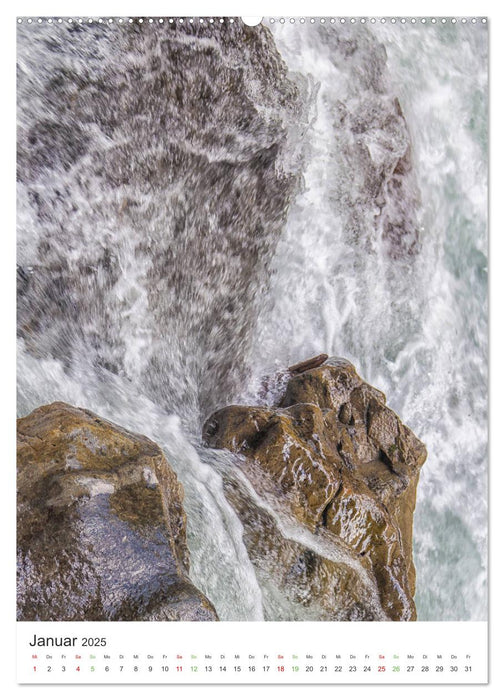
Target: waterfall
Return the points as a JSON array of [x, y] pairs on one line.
[[199, 205]]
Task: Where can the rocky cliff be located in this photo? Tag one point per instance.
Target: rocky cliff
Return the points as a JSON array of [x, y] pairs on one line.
[[188, 131], [348, 469], [101, 528]]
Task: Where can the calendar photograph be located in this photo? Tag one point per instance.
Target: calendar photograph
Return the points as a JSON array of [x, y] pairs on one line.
[[252, 320]]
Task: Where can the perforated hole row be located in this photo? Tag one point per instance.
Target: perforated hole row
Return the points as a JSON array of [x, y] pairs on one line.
[[231, 20], [374, 20], [125, 20]]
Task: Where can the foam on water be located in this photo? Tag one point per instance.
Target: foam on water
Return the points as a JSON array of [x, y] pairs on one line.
[[415, 327], [443, 79], [392, 279], [219, 561]]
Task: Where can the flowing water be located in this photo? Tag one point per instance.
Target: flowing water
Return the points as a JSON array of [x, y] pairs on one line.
[[331, 198]]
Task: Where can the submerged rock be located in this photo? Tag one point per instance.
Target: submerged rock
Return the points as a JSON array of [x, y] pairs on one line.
[[196, 215], [343, 463], [101, 529]]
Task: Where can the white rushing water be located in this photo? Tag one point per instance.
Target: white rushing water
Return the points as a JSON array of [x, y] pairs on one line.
[[447, 109], [415, 328], [410, 314]]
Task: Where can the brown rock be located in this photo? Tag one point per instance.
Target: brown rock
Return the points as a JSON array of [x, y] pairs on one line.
[[308, 364], [101, 530], [343, 463], [297, 582]]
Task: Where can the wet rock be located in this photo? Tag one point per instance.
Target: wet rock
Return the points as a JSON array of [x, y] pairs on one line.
[[101, 529], [297, 580], [343, 463], [224, 122], [308, 364]]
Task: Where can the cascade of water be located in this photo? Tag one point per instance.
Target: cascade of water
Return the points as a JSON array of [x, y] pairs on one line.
[[166, 254], [414, 323]]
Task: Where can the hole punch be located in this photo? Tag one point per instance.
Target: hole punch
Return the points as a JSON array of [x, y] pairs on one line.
[[252, 21]]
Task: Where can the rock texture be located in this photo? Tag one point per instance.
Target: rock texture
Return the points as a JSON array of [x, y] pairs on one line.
[[101, 528], [297, 581], [224, 123], [344, 464]]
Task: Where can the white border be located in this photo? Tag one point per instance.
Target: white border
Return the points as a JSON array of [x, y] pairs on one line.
[[7, 277]]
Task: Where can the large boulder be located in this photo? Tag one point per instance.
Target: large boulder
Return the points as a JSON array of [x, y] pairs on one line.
[[343, 463], [101, 529]]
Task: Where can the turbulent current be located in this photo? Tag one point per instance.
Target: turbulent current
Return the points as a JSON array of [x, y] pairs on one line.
[[199, 205]]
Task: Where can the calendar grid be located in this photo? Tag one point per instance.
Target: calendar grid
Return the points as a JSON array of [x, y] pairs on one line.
[[221, 653]]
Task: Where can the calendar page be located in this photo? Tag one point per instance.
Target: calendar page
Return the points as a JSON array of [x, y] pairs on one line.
[[252, 347]]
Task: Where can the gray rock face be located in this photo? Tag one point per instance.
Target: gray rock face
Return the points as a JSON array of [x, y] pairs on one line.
[[153, 175], [101, 529]]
